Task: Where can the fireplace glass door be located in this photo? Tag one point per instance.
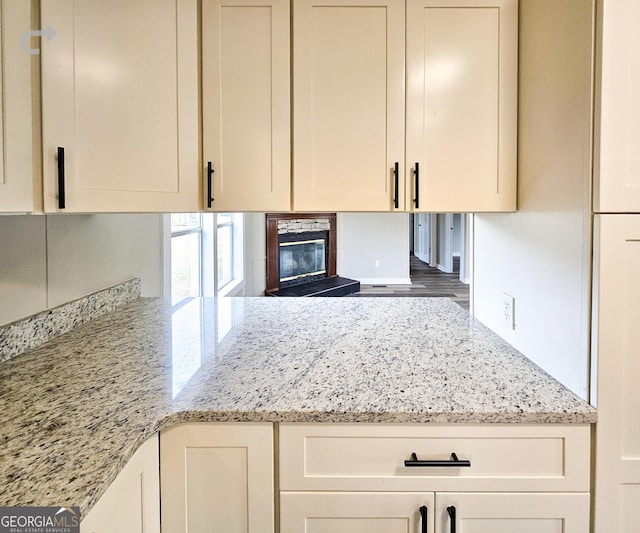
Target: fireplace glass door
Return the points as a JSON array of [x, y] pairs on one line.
[[302, 261]]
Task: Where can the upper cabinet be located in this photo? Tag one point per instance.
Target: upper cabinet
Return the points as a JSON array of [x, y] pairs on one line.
[[16, 144], [462, 64], [348, 105], [617, 159], [246, 105], [349, 109], [154, 106], [120, 117]]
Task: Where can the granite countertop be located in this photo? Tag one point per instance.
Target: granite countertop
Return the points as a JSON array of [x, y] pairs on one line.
[[73, 411]]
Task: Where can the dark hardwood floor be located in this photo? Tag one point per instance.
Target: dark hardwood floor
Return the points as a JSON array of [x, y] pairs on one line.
[[426, 281]]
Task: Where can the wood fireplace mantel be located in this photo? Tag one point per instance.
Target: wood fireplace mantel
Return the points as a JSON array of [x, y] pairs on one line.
[[273, 256]]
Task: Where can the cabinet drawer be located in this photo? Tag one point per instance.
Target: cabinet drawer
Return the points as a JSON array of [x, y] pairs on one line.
[[372, 457]]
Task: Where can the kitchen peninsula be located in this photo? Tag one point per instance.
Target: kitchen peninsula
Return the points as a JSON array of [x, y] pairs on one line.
[[74, 411]]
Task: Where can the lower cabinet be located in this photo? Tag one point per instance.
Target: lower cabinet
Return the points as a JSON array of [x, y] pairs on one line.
[[353, 478], [132, 502], [511, 512], [382, 512], [409, 512], [411, 478], [217, 478], [616, 336]]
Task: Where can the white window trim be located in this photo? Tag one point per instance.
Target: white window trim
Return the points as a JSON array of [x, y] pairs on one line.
[[165, 251], [230, 224], [190, 231]]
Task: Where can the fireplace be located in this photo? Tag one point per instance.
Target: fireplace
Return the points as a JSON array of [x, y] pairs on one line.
[[301, 256]]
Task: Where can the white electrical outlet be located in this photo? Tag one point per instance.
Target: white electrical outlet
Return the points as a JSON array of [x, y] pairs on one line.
[[508, 310], [376, 263]]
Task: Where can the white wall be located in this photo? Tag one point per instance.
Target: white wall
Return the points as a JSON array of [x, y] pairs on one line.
[[364, 238], [49, 260], [541, 254], [255, 250], [23, 267]]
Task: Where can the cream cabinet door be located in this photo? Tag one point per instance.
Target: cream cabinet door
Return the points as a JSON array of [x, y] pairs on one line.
[[617, 158], [511, 513], [132, 502], [350, 512], [120, 106], [348, 105], [246, 105], [16, 153], [461, 105], [617, 352], [217, 477]]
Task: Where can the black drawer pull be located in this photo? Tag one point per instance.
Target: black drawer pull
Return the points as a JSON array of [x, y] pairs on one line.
[[209, 184], [61, 176], [396, 180], [435, 463], [452, 516], [416, 173], [423, 515]]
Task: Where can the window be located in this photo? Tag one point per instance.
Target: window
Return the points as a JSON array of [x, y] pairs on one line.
[[224, 248], [186, 253], [206, 254]]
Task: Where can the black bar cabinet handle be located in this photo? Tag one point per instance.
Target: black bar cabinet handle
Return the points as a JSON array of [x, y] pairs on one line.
[[209, 183], [423, 514], [416, 173], [396, 183], [434, 463], [61, 193], [452, 516]]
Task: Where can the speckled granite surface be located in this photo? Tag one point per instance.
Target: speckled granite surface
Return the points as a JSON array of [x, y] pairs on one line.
[[73, 411], [35, 330]]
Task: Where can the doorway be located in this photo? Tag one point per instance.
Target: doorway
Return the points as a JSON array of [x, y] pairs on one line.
[[422, 237], [443, 241]]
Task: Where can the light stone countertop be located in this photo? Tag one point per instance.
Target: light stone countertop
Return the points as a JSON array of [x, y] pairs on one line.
[[73, 411]]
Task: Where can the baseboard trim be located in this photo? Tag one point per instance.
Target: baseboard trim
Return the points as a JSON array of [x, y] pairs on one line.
[[384, 281]]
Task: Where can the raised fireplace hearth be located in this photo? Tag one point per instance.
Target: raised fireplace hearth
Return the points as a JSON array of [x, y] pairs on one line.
[[301, 256]]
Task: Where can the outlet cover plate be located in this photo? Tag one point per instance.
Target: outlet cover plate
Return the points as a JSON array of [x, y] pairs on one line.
[[508, 310]]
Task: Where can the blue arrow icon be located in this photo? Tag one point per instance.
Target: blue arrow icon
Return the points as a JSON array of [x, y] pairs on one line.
[[48, 32]]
